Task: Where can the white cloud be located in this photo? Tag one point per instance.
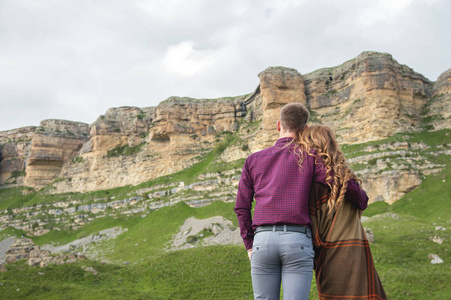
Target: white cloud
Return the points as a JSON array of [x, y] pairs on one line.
[[183, 59], [75, 59], [383, 10]]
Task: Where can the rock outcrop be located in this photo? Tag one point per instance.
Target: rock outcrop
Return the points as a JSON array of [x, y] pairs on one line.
[[34, 156], [390, 186], [278, 86], [183, 117], [212, 231], [129, 145], [25, 249], [15, 147], [368, 98], [54, 143], [365, 99], [437, 111]]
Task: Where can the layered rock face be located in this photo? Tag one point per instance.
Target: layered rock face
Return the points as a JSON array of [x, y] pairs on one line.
[[34, 156], [130, 145], [15, 146], [365, 99], [54, 143], [278, 87], [183, 116], [119, 126], [368, 98], [437, 110], [390, 186]]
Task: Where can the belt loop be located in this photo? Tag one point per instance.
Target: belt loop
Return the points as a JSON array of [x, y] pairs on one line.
[[274, 228], [285, 228]]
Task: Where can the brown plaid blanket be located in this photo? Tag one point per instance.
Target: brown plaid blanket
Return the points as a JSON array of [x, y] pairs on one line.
[[344, 267]]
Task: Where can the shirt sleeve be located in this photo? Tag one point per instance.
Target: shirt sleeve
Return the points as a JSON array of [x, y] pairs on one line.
[[354, 192], [243, 206]]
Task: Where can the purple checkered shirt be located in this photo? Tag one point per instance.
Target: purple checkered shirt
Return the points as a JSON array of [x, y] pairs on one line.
[[281, 189]]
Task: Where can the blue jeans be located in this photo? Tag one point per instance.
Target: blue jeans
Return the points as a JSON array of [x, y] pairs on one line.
[[282, 257]]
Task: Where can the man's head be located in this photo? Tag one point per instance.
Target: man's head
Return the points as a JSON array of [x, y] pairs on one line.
[[293, 117]]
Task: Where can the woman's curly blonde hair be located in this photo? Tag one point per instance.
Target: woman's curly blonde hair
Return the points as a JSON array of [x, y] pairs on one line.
[[323, 140]]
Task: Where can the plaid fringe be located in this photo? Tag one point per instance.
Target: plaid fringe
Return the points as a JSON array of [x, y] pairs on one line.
[[344, 266]]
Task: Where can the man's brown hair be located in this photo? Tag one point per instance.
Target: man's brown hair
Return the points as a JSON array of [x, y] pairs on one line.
[[294, 117]]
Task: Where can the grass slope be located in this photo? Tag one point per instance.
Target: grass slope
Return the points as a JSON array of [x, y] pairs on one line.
[[402, 245], [431, 138], [148, 237], [220, 272], [431, 201], [400, 253]]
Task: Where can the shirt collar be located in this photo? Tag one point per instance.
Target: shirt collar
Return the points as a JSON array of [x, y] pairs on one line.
[[284, 140]]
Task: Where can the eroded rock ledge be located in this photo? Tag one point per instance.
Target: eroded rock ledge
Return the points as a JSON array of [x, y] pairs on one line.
[[365, 99]]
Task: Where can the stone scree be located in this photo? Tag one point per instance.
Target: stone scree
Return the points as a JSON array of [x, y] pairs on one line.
[[26, 249]]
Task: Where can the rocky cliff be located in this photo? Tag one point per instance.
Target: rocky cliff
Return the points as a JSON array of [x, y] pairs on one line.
[[129, 145], [54, 143], [368, 98], [437, 110], [14, 150]]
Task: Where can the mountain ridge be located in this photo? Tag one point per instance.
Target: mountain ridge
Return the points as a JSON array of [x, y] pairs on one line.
[[369, 98]]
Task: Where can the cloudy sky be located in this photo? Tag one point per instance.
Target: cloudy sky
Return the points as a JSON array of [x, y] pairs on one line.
[[75, 59]]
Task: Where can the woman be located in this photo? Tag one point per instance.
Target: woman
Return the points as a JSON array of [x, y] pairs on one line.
[[344, 267]]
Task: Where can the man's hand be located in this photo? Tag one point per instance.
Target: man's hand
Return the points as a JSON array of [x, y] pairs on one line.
[[249, 253]]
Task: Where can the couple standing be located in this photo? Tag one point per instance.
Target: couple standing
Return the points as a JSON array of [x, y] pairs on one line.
[[305, 191]]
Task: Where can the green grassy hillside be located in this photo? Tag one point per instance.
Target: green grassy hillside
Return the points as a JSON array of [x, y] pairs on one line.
[[216, 272], [149, 236], [401, 249], [220, 272], [402, 231]]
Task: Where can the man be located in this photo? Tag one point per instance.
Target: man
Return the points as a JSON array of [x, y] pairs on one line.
[[278, 239]]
